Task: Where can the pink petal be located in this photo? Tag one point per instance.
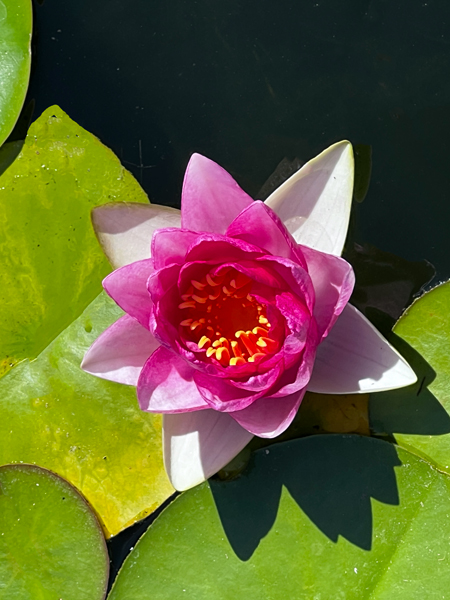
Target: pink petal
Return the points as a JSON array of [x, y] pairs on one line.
[[222, 395], [171, 245], [198, 444], [297, 376], [166, 384], [125, 229], [127, 286], [333, 280], [260, 226], [219, 248], [120, 352], [268, 417], [296, 277], [355, 358], [211, 198], [314, 204]]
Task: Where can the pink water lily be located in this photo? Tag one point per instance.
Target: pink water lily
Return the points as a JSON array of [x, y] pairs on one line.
[[235, 307]]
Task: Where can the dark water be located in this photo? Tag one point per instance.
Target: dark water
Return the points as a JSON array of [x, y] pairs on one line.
[[249, 83]]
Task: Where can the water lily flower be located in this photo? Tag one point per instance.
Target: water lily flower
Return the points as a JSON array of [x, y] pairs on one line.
[[235, 307]]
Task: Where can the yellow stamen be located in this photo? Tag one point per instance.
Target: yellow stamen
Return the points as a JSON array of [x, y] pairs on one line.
[[186, 322], [223, 356], [259, 331], [199, 299], [187, 305], [267, 343], [204, 342], [210, 352], [236, 350], [256, 357], [198, 285], [236, 361], [211, 281]]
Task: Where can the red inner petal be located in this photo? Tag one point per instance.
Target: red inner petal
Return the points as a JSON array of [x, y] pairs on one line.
[[228, 324]]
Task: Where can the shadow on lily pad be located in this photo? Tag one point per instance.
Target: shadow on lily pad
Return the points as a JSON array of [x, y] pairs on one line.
[[414, 409], [332, 479]]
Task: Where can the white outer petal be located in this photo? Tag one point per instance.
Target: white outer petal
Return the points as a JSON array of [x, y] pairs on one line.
[[125, 229], [314, 204], [355, 358], [198, 444]]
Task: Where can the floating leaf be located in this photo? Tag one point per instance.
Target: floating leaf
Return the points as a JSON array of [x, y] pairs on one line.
[[323, 517], [419, 416], [89, 431], [51, 545], [52, 265], [15, 60]]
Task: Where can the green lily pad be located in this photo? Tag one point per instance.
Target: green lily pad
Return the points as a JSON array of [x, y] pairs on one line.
[[51, 545], [52, 265], [15, 60], [89, 431], [419, 416], [331, 516]]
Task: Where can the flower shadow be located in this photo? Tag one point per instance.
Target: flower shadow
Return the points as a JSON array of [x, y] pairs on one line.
[[410, 410], [332, 479]]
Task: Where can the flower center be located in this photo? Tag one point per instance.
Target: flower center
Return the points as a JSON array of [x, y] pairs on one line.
[[225, 320]]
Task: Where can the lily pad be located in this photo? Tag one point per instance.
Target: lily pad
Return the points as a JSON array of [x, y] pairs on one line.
[[331, 516], [419, 416], [15, 60], [51, 545], [89, 431], [52, 265]]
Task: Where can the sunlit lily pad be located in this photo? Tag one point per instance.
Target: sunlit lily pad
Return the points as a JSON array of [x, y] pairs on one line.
[[52, 265], [323, 517], [15, 60], [51, 545], [419, 416], [87, 430]]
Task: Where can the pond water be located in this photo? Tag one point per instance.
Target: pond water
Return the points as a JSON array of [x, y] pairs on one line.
[[251, 83]]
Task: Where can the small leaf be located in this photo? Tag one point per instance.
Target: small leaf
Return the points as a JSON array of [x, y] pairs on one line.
[[15, 60], [89, 431], [51, 545], [52, 265], [323, 517]]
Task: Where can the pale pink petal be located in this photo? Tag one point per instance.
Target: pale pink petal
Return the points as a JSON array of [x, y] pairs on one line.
[[170, 246], [166, 384], [260, 226], [268, 417], [120, 352], [125, 229], [127, 286], [211, 198], [355, 358], [314, 204], [198, 444], [333, 280]]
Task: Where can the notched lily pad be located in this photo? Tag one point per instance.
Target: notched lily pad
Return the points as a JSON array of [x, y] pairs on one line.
[[52, 265], [321, 517], [51, 545]]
